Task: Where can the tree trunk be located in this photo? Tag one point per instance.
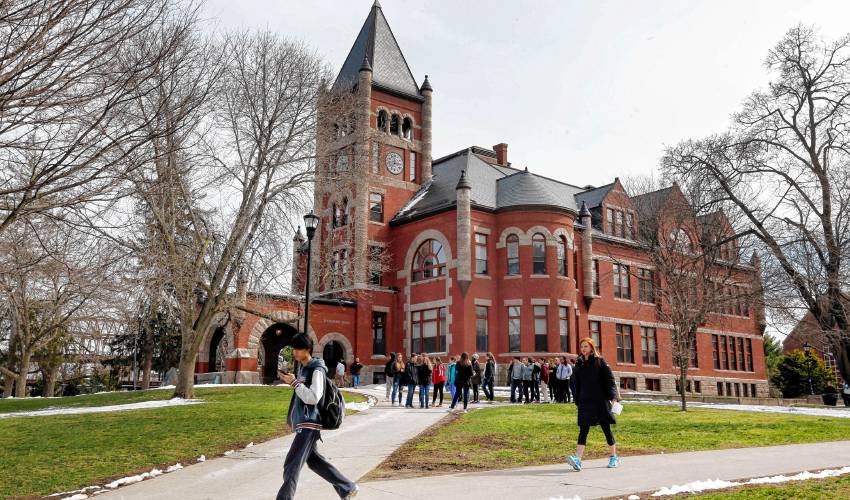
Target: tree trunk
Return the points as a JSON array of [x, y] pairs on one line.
[[21, 385], [683, 377], [146, 368], [8, 386], [50, 382], [186, 377]]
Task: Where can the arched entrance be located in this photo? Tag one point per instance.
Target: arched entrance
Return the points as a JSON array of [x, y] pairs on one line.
[[217, 351], [332, 354], [275, 338]]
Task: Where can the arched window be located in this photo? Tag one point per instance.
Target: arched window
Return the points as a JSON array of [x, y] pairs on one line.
[[512, 243], [679, 240], [335, 215], [395, 125], [429, 261], [538, 245], [562, 255], [340, 213], [407, 128], [382, 120]]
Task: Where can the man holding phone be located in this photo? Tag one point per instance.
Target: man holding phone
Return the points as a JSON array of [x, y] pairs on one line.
[[304, 420]]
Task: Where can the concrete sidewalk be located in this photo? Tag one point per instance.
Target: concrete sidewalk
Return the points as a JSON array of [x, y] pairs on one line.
[[637, 474], [363, 442]]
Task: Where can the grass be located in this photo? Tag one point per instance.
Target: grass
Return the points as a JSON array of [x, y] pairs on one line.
[[44, 455], [516, 436], [816, 489]]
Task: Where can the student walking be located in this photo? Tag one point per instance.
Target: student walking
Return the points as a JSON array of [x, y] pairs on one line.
[[515, 374], [411, 379], [438, 378], [476, 378], [388, 375], [565, 371], [424, 370], [398, 378], [544, 380], [595, 392], [489, 377], [355, 372], [845, 393], [305, 421], [535, 380], [451, 380], [463, 376]]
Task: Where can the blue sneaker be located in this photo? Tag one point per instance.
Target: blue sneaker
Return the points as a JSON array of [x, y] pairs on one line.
[[613, 462], [575, 462]]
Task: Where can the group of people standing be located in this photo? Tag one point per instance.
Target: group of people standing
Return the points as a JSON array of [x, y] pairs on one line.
[[460, 375], [529, 378]]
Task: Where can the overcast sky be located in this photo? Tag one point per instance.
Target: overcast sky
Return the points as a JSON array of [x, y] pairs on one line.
[[581, 91]]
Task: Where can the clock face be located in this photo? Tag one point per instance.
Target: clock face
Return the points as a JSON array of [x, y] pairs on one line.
[[342, 164], [394, 163]]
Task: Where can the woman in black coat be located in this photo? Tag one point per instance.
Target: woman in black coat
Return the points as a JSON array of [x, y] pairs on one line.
[[463, 376], [595, 391]]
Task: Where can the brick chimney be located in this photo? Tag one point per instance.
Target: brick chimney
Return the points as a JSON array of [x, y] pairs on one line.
[[501, 150]]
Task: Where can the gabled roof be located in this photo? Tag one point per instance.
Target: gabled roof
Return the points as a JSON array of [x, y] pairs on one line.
[[649, 203], [593, 197], [377, 45]]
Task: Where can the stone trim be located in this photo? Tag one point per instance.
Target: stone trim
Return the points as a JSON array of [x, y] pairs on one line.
[[482, 230], [346, 345], [513, 302], [381, 309], [540, 302], [482, 302], [566, 303], [430, 305]]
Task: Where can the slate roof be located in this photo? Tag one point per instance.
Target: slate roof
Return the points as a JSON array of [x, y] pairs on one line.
[[377, 44], [494, 187], [593, 197]]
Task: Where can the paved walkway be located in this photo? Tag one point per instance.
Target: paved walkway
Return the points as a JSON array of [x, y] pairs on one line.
[[257, 472], [638, 474]]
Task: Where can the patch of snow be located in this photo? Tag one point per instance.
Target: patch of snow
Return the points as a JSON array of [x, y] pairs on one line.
[[718, 484], [207, 386], [229, 452], [358, 406], [156, 472], [249, 445], [790, 410], [202, 458], [416, 199], [174, 467], [128, 480], [78, 496], [565, 498], [633, 497], [144, 405]]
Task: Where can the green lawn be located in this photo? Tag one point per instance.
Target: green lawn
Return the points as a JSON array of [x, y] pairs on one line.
[[816, 489], [43, 455], [516, 436]]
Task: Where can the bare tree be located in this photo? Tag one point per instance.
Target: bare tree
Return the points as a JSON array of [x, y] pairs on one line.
[[67, 79], [783, 166]]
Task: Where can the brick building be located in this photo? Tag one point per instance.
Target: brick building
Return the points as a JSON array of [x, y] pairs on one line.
[[467, 253]]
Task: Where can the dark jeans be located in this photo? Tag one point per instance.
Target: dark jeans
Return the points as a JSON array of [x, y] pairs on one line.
[[553, 389], [438, 387], [475, 392], [606, 429], [456, 398], [535, 390], [424, 390], [567, 395], [303, 450], [526, 390], [487, 387], [846, 398], [410, 389], [397, 389], [516, 387]]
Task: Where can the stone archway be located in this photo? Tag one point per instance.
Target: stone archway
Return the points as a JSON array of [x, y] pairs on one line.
[[217, 351], [286, 317], [276, 337], [341, 344]]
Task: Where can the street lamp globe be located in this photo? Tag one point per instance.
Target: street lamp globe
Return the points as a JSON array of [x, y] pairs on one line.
[[311, 222]]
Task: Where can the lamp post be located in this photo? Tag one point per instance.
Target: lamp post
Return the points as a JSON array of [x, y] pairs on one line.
[[311, 222], [808, 350]]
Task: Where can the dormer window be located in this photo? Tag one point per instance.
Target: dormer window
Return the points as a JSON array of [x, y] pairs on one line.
[[620, 223], [407, 129]]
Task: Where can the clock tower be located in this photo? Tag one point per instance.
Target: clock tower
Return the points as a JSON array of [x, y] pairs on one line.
[[375, 159]]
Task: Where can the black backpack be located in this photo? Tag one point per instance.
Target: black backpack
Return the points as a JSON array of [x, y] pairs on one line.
[[331, 406]]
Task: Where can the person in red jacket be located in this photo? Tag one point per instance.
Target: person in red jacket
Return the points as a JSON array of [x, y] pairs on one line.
[[544, 380], [438, 379]]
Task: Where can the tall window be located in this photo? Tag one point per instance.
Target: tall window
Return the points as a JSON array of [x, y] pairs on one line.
[[724, 354], [649, 345], [562, 256], [749, 355], [395, 125], [609, 219], [564, 327], [715, 351], [621, 282], [646, 286], [481, 327], [429, 330], [742, 356], [595, 277], [596, 333], [733, 353], [512, 244], [340, 213], [618, 224], [513, 328], [625, 347], [383, 120], [375, 265], [630, 226], [412, 166], [379, 325], [376, 207], [407, 128], [429, 261], [538, 245], [480, 253], [541, 329]]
